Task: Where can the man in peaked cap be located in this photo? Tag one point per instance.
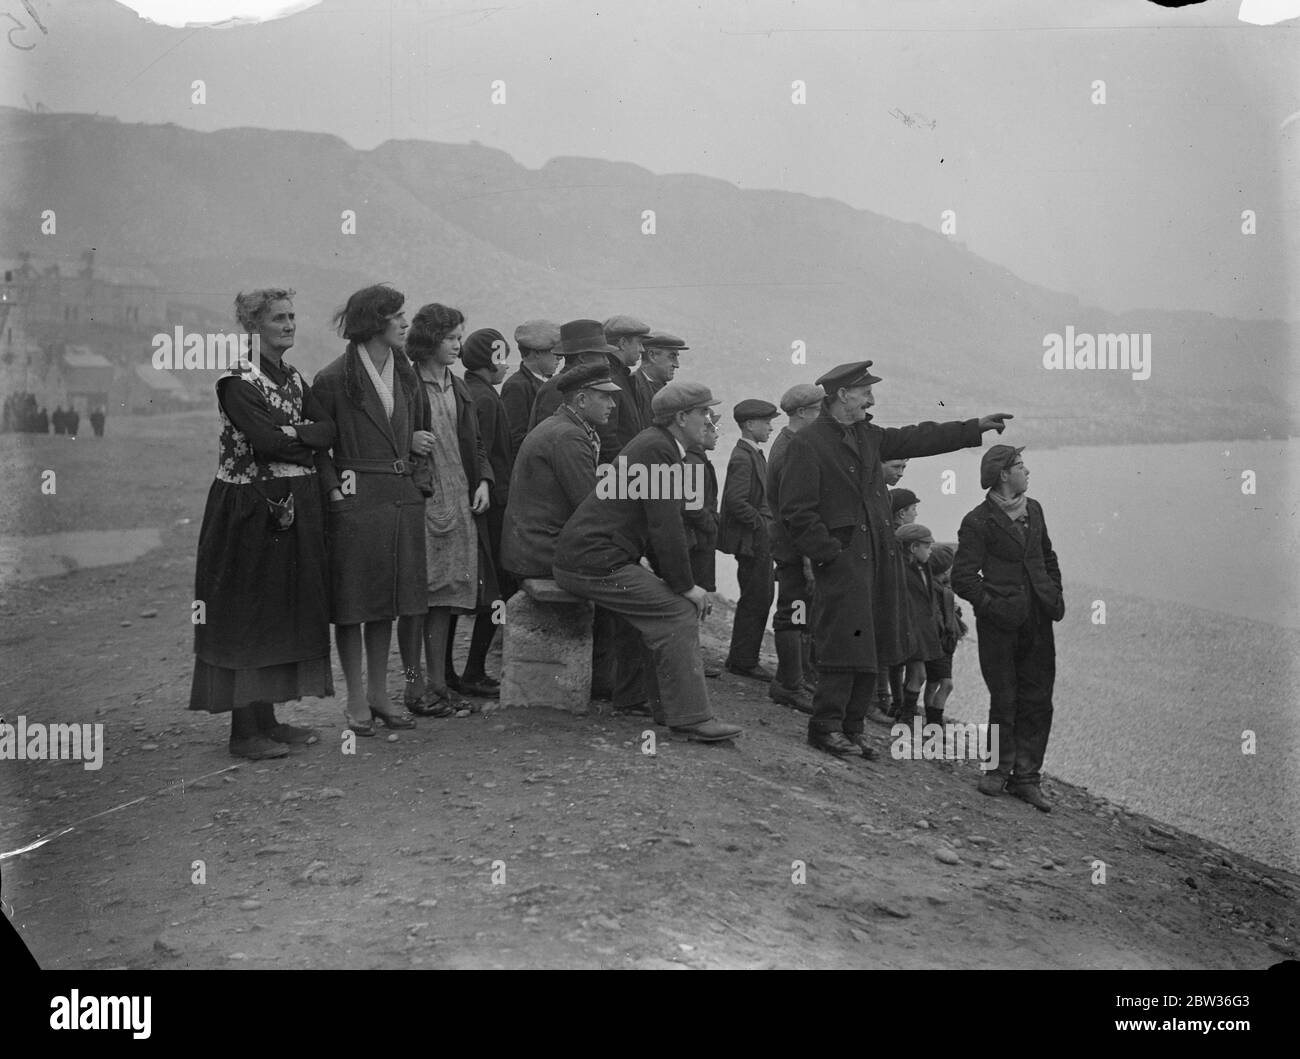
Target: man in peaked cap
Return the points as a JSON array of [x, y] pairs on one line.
[[659, 363], [836, 510], [554, 471], [1006, 566], [794, 576], [599, 554], [743, 533], [627, 333], [536, 340]]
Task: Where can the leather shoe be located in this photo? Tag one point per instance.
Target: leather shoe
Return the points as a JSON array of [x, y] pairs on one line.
[[1029, 792], [480, 687], [753, 672], [712, 671], [836, 743], [633, 709], [710, 731], [795, 698], [859, 740], [258, 748], [992, 784], [875, 713]]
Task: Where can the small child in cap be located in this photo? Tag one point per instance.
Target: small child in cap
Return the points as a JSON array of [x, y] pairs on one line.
[[917, 542]]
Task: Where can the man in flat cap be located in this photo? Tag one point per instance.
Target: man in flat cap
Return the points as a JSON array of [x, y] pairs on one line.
[[1007, 568], [659, 363], [794, 574], [536, 340], [702, 523], [744, 534], [554, 471], [626, 333], [837, 513], [599, 554]]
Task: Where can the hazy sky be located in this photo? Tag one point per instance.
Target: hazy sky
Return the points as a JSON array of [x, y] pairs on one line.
[[1133, 203]]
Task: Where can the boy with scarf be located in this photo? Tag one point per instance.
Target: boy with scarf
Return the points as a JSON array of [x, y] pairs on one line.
[[1006, 567]]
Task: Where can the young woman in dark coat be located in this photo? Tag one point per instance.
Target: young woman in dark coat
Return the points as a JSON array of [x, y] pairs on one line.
[[375, 523]]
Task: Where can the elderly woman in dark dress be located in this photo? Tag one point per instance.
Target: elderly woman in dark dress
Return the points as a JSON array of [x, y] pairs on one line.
[[460, 575], [261, 574], [375, 510]]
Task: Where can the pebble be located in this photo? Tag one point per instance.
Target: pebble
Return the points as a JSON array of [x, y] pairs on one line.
[[237, 956], [249, 906], [924, 825], [124, 624], [148, 613], [946, 856], [428, 902], [331, 792], [860, 935], [393, 738], [148, 746], [999, 864]]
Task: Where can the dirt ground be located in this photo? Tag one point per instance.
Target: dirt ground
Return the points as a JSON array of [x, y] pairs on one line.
[[524, 837]]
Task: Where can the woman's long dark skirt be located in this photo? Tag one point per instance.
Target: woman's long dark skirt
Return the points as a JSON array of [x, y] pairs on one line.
[[264, 633]]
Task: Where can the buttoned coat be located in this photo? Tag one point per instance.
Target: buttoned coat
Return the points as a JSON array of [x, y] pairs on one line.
[[375, 534], [702, 523], [606, 533], [494, 434], [997, 567], [922, 612], [835, 507], [555, 470], [742, 529]]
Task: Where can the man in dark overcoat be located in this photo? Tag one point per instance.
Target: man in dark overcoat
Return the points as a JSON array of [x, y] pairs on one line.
[[599, 555], [626, 334], [744, 533], [1007, 568], [659, 363], [836, 510], [536, 340]]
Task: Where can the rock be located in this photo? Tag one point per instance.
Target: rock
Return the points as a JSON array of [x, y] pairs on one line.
[[149, 613], [237, 956], [860, 935], [1047, 865], [168, 944], [547, 649], [148, 746], [938, 899], [682, 840], [944, 855], [891, 910], [999, 864], [392, 738], [330, 792], [124, 624], [250, 905], [428, 902], [271, 851], [607, 923], [924, 825]]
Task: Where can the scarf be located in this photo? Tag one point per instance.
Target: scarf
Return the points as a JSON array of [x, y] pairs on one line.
[[383, 383], [1015, 509]]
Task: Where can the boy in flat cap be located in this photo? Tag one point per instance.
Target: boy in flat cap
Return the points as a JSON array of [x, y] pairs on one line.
[[922, 613], [837, 513], [794, 576], [1006, 567], [536, 340], [744, 534], [598, 557]]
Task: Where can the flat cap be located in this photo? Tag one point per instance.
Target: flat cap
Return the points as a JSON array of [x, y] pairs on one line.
[[848, 375], [663, 340], [753, 408], [485, 348], [537, 334], [618, 326], [586, 377], [801, 396], [995, 461], [941, 557], [913, 533], [681, 397], [901, 498]]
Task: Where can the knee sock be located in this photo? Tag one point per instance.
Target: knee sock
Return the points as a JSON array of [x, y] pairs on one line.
[[479, 642]]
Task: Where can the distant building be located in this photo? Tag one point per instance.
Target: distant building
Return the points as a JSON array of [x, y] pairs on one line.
[[69, 294]]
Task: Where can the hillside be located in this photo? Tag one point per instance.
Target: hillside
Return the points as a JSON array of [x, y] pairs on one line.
[[742, 274]]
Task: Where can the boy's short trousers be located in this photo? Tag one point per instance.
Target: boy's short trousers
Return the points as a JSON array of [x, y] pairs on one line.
[[941, 669]]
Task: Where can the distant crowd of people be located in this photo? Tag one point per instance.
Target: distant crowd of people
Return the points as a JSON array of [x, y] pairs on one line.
[[22, 415], [392, 490]]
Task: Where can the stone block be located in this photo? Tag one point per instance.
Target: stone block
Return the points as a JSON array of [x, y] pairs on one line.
[[546, 652]]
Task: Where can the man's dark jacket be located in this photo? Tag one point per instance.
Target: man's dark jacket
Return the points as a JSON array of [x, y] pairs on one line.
[[518, 394], [745, 512]]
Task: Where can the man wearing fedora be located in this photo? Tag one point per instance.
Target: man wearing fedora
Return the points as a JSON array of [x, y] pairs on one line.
[[599, 553], [581, 342], [1006, 567], [744, 533], [536, 340], [836, 511]]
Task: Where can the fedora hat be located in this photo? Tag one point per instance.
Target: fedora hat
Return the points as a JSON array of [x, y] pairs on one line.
[[583, 336]]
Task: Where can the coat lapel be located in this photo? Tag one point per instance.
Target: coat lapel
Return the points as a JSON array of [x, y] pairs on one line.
[[370, 402], [1001, 519]]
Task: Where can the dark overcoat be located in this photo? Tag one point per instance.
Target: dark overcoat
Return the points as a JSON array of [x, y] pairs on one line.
[[835, 507], [922, 613], [554, 471], [997, 566], [702, 524], [375, 534], [517, 395], [745, 513]]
